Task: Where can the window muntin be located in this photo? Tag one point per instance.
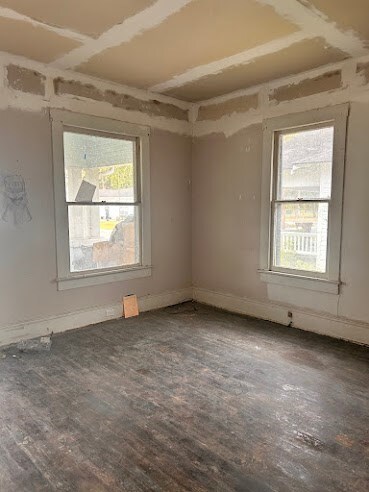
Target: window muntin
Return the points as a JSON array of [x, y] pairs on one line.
[[103, 200], [301, 193], [300, 236], [102, 217], [277, 192], [102, 237], [305, 163], [100, 168]]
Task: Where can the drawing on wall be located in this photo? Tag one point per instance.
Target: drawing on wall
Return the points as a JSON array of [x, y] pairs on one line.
[[14, 206]]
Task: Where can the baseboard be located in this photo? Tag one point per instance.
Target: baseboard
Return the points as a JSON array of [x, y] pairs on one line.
[[322, 323], [57, 324]]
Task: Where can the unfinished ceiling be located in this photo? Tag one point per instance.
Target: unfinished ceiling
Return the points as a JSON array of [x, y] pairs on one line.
[[190, 49]]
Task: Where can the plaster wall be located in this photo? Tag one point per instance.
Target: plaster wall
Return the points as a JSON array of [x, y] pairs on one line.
[[226, 175], [220, 214], [28, 252]]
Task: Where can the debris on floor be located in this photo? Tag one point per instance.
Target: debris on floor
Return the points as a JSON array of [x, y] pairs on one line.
[[344, 440], [310, 440], [187, 308], [35, 344]]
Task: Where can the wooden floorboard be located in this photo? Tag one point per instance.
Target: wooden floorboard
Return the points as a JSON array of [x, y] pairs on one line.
[[186, 398]]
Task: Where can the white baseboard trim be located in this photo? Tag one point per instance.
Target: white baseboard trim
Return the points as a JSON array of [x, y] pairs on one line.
[[57, 324], [322, 323]]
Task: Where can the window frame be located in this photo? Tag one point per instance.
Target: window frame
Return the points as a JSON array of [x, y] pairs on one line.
[[329, 281], [63, 121]]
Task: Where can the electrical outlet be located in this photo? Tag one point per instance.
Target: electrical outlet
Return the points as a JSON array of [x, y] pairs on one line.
[[290, 314]]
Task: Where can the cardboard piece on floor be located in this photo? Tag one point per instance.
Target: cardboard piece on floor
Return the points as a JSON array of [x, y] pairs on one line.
[[130, 306]]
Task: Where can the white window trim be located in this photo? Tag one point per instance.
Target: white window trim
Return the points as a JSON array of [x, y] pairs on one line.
[[65, 278], [337, 115]]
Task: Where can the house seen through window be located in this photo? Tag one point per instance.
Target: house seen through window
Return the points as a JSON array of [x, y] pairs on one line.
[[103, 198], [301, 198]]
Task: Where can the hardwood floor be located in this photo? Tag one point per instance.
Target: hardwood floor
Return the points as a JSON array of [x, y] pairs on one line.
[[185, 398]]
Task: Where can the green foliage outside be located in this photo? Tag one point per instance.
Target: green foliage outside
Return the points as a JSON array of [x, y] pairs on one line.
[[116, 177], [290, 259]]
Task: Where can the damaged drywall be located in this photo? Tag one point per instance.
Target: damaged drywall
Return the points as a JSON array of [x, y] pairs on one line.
[[238, 104], [298, 58], [75, 88], [349, 20], [336, 84], [25, 80], [224, 36], [32, 86], [363, 70], [130, 103], [324, 83]]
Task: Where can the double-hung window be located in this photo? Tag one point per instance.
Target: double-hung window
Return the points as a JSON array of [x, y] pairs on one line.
[[303, 167], [102, 206]]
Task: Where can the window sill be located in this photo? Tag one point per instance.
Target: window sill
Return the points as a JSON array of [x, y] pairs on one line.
[[290, 280], [102, 277]]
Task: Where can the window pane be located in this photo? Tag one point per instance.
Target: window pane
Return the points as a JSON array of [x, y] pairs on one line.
[[103, 236], [300, 236], [305, 164], [99, 169]]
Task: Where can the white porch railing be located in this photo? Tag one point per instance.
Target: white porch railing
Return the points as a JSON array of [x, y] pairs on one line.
[[303, 243]]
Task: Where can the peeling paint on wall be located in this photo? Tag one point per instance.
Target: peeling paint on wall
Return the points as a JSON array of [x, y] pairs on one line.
[[153, 107], [25, 80], [236, 105], [324, 83], [75, 88], [363, 69], [123, 101]]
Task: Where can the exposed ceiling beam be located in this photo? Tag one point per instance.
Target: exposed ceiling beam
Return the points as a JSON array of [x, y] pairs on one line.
[[242, 58], [122, 33]]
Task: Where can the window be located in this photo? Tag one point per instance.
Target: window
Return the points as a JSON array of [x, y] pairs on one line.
[[101, 178], [303, 164]]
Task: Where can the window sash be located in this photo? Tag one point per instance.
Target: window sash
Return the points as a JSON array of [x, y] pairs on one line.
[[112, 268], [136, 203], [276, 156], [118, 136], [295, 271], [335, 116], [276, 165], [65, 120]]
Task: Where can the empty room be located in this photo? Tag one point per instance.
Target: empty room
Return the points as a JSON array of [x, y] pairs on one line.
[[184, 245]]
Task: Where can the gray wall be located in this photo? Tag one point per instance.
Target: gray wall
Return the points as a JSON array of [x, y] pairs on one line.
[[27, 252], [226, 175], [226, 180]]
